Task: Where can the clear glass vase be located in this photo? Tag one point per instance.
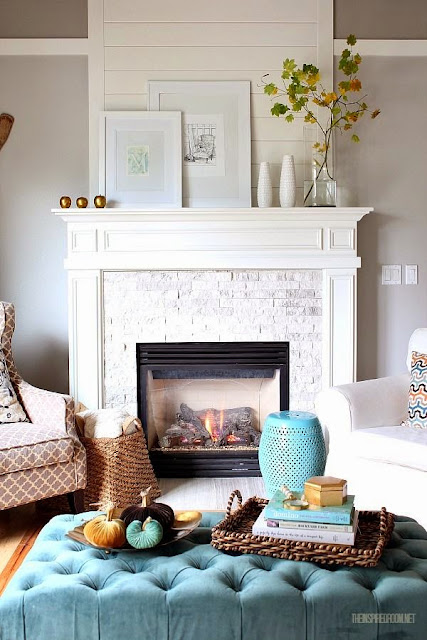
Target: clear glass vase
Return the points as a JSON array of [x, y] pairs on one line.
[[320, 188]]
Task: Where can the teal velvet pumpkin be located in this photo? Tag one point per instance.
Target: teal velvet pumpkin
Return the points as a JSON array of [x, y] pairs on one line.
[[144, 536]]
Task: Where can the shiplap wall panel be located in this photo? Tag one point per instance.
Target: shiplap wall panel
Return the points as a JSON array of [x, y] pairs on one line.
[[203, 58], [214, 11], [126, 102], [273, 150], [276, 129], [209, 34], [220, 40], [134, 81], [260, 104]]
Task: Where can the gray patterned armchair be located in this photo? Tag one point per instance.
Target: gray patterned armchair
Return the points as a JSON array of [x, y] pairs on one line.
[[43, 457]]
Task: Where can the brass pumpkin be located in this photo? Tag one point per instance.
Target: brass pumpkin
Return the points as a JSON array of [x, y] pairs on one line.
[[103, 531]]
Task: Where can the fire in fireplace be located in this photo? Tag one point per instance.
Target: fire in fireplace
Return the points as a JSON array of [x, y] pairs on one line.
[[203, 404]]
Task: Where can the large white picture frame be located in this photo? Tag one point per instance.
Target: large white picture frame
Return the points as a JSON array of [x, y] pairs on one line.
[[140, 159], [216, 142]]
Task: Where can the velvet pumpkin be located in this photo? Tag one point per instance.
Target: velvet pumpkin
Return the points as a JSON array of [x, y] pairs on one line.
[[144, 535], [104, 531], [156, 510]]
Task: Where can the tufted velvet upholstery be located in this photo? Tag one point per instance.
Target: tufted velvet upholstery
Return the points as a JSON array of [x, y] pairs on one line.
[[191, 591]]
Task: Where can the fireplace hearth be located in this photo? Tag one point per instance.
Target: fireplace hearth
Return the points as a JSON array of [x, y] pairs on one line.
[[203, 404]]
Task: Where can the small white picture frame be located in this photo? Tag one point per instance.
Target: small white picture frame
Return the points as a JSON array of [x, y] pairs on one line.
[[216, 145], [140, 163]]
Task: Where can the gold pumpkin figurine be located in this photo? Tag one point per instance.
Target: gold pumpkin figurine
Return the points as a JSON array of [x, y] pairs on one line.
[[100, 202], [65, 202], [81, 202]]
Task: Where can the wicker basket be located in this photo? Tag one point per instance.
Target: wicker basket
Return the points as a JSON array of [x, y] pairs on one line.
[[234, 533], [118, 469]]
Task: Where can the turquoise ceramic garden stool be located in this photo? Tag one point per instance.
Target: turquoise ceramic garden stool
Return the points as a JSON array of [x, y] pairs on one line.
[[292, 449]]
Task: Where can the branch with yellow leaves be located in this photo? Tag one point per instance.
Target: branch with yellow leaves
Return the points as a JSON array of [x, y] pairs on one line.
[[304, 91]]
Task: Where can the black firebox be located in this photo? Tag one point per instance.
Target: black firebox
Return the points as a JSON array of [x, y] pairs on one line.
[[203, 404]]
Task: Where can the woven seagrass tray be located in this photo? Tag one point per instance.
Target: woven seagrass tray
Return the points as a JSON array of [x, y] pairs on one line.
[[234, 533]]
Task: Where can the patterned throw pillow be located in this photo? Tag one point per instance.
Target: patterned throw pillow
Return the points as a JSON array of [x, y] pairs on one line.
[[417, 406], [10, 409]]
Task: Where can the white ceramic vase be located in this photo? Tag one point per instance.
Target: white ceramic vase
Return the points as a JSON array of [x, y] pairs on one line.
[[265, 187], [288, 186]]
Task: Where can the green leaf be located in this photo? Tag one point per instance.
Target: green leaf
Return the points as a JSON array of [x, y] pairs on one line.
[[345, 98], [278, 109], [289, 66], [289, 118], [346, 53], [351, 40], [270, 89], [355, 138], [335, 111]]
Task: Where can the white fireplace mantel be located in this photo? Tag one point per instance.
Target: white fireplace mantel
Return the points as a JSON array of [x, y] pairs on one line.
[[197, 239]]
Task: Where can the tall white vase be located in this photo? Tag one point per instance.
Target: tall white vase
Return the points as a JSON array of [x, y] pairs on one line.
[[288, 185], [265, 188]]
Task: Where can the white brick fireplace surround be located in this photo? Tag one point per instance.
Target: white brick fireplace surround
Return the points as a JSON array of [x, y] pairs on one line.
[[210, 275]]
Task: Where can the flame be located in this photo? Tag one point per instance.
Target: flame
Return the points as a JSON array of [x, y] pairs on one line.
[[232, 438], [209, 421]]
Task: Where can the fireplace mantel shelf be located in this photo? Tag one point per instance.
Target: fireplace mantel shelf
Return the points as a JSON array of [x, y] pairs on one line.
[[293, 214], [316, 238], [123, 240]]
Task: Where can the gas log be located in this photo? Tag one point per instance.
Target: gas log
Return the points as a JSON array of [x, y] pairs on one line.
[[211, 428]]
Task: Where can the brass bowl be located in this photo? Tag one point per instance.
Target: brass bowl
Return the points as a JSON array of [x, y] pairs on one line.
[[186, 519]]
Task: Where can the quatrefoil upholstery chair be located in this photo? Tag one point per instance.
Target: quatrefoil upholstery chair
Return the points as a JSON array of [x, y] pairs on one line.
[[43, 457]]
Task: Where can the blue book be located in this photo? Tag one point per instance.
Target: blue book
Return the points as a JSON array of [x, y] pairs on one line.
[[326, 515]]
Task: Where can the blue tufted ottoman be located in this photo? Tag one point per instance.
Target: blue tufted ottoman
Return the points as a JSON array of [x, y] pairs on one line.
[[190, 591]]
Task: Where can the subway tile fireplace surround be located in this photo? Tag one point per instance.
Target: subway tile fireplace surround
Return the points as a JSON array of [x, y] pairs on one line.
[[212, 276]]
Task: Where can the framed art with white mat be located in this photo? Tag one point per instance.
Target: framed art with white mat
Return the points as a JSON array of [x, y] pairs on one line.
[[140, 159], [216, 139]]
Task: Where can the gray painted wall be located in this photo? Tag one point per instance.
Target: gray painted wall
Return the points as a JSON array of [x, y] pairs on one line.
[[388, 170], [43, 18], [45, 157], [381, 19]]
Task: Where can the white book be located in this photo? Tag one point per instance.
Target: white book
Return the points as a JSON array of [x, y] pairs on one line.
[[260, 528], [314, 526]]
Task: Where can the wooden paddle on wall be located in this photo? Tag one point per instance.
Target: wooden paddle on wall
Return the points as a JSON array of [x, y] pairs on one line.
[[6, 123]]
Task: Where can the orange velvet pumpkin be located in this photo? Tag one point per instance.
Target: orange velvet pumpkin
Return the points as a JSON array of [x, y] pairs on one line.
[[103, 531]]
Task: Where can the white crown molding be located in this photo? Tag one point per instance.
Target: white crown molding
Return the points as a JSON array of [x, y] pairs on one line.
[[44, 46], [403, 48]]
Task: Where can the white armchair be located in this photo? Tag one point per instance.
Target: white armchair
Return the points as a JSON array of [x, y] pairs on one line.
[[385, 463]]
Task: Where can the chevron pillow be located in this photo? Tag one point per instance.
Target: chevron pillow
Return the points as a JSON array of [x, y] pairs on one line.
[[417, 405]]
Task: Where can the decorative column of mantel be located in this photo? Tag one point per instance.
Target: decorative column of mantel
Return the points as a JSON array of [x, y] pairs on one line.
[[201, 239]]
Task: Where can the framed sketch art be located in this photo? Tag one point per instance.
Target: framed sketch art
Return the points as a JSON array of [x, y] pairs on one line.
[[216, 139], [140, 159]]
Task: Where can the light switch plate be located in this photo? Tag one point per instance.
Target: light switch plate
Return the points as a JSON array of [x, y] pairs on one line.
[[411, 273], [392, 274]]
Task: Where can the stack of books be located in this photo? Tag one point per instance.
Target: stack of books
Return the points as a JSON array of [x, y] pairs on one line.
[[325, 525]]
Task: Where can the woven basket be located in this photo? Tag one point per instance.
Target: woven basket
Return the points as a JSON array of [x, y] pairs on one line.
[[234, 533], [118, 469]]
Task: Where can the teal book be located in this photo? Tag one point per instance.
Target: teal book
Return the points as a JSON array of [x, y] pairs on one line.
[[326, 515]]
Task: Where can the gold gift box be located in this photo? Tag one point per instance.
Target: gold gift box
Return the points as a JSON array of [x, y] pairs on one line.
[[325, 491]]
